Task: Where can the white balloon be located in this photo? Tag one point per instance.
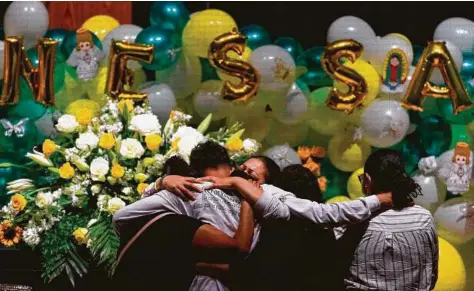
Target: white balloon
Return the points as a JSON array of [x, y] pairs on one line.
[[2, 58], [206, 102], [184, 77], [453, 219], [162, 101], [296, 106], [384, 123], [125, 32], [456, 53], [433, 190], [351, 27], [458, 30], [275, 66], [283, 155], [377, 56], [27, 18]]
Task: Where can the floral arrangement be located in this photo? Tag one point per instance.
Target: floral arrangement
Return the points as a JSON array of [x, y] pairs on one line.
[[99, 161], [311, 158]]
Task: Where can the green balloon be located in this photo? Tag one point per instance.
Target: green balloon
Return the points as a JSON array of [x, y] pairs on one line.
[[257, 36], [311, 59], [59, 68], [18, 146], [27, 108], [291, 45], [411, 154], [434, 136], [208, 71], [459, 134], [336, 180], [446, 109], [6, 175]]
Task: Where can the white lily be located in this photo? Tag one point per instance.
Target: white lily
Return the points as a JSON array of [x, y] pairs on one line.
[[40, 159], [80, 164], [19, 185]]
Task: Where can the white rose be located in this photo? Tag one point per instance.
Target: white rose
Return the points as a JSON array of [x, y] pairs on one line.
[[131, 148], [145, 124], [250, 145], [67, 123], [102, 202], [96, 189], [114, 205], [185, 139], [99, 168], [87, 140], [43, 200]]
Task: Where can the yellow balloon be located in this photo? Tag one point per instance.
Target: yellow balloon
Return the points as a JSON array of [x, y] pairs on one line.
[[370, 75], [451, 270], [347, 155], [292, 134], [249, 122], [244, 57], [101, 25], [96, 87], [354, 187], [338, 199], [139, 77], [203, 28]]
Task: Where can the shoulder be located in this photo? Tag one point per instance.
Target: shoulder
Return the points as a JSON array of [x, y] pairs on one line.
[[273, 190]]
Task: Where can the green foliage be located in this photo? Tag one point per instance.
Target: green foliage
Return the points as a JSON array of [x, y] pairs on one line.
[[58, 249], [105, 243], [225, 132]]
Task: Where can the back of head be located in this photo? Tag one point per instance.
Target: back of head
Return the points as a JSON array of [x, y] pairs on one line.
[[177, 166], [301, 182], [273, 175], [387, 173], [209, 155]]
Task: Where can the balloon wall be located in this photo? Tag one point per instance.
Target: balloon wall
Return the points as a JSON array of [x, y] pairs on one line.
[[288, 110]]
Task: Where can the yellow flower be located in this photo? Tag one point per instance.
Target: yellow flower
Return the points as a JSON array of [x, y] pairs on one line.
[[49, 147], [175, 142], [80, 235], [128, 102], [117, 171], [140, 177], [18, 202], [234, 144], [66, 171], [107, 141], [84, 110], [153, 142], [8, 237], [141, 187]]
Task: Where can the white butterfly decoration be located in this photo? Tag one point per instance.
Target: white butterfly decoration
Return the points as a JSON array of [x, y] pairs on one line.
[[18, 129]]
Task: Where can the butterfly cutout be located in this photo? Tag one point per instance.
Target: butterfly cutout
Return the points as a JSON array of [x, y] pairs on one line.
[[18, 129]]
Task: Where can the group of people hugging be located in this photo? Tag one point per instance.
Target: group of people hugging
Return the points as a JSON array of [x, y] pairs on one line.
[[213, 225]]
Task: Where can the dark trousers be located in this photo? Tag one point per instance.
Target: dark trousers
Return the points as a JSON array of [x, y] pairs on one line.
[[161, 258]]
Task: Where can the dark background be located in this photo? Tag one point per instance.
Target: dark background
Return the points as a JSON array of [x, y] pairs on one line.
[[309, 21]]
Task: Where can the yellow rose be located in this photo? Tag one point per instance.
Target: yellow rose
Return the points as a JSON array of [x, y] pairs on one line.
[[84, 116], [80, 235], [18, 202], [140, 177], [128, 102], [49, 147], [141, 187], [66, 171], [234, 144], [107, 141], [153, 142], [117, 171]]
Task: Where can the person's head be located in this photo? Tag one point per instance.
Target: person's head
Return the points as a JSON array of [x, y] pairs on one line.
[[262, 169], [178, 166], [394, 61], [84, 39], [301, 182], [384, 171], [462, 154], [211, 159]]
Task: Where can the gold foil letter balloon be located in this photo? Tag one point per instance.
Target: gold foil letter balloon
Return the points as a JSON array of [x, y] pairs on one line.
[[436, 55], [332, 59], [248, 75], [118, 74], [40, 79]]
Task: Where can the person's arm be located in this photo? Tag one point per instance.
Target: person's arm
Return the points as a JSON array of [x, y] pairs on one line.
[[435, 249], [178, 185], [275, 202]]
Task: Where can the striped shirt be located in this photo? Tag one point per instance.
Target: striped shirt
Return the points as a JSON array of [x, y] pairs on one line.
[[398, 250]]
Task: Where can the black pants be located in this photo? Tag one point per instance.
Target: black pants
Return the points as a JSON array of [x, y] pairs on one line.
[[161, 258]]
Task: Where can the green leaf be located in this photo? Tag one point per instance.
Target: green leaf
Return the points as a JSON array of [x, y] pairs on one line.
[[70, 274], [202, 128]]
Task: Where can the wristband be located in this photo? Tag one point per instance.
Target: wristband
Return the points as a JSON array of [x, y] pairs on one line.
[[161, 182]]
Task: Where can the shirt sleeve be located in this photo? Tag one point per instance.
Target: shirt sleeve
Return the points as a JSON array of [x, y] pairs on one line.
[[435, 250], [162, 202], [335, 213]]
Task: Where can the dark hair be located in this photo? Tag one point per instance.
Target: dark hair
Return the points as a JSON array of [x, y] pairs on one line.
[[241, 174], [387, 172], [301, 182], [273, 173], [209, 155], [177, 166]]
